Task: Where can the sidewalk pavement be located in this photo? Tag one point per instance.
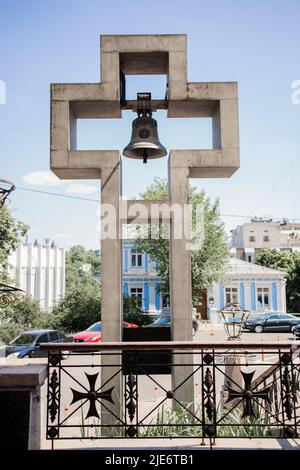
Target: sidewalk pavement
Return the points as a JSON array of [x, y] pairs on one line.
[[190, 444]]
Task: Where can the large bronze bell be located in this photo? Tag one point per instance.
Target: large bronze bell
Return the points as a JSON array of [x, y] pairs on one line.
[[144, 141]]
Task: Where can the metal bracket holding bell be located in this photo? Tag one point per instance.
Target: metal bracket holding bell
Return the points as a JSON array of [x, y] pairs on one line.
[[144, 105]]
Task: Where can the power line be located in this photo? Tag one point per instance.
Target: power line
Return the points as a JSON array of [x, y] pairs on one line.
[[66, 196], [58, 194], [273, 189]]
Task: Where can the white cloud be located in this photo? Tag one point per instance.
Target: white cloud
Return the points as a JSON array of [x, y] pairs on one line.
[[42, 178], [47, 178], [81, 188]]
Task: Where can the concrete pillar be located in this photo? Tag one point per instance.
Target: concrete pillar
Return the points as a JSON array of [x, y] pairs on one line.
[[20, 388], [180, 286], [111, 303]]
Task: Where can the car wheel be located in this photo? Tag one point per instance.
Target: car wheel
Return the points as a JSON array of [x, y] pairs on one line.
[[259, 329]]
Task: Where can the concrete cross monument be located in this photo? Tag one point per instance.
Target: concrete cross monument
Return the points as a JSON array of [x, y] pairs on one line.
[[142, 55]]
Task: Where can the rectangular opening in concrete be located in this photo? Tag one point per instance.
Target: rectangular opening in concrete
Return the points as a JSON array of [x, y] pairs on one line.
[[185, 133], [110, 134], [155, 84], [174, 133]]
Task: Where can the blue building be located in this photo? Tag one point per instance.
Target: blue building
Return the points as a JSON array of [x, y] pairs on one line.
[[140, 278], [255, 287]]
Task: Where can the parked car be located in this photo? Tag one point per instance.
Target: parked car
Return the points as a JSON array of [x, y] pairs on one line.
[[276, 322], [93, 333], [27, 344], [165, 320], [296, 331]]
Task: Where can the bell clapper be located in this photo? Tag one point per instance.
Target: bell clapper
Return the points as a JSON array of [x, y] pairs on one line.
[[145, 156]]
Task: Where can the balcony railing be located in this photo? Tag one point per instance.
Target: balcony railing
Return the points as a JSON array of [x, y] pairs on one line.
[[126, 390]]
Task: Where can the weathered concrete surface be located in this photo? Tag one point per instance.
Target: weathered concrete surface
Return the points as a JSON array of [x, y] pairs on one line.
[[148, 54], [30, 378], [180, 287], [145, 54]]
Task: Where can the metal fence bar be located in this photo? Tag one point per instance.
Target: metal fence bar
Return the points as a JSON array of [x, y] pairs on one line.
[[261, 402]]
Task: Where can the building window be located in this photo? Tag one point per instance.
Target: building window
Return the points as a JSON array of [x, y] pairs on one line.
[[252, 238], [137, 292], [266, 238], [136, 258], [263, 298], [231, 295]]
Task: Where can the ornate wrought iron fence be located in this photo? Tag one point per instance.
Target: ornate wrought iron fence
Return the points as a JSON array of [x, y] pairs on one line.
[[237, 393]]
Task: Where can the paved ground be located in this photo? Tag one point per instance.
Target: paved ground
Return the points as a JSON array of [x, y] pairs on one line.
[[174, 444], [215, 332]]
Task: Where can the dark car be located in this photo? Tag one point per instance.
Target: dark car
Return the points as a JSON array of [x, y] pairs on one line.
[[27, 344], [276, 322], [165, 320], [296, 331]]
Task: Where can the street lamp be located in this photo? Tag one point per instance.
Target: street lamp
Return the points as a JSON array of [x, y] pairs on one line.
[[234, 318]]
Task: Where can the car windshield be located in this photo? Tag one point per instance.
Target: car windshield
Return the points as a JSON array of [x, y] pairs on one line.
[[163, 320], [95, 327], [23, 340]]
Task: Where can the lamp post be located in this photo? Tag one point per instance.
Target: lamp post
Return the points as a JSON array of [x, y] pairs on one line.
[[234, 318]]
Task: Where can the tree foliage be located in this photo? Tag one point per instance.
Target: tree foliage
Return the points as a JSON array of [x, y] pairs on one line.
[[77, 258], [132, 312], [10, 232], [210, 260], [24, 314], [80, 309], [76, 311], [289, 262]]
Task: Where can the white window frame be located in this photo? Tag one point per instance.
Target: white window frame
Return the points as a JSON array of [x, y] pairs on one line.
[[136, 294], [263, 290], [136, 255], [230, 288]]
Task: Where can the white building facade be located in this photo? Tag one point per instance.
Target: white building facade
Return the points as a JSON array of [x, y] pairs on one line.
[[255, 287], [250, 239], [39, 270]]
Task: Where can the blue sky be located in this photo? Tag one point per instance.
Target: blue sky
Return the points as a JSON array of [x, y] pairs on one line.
[[253, 42]]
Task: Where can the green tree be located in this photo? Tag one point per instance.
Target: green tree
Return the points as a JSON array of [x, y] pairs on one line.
[[24, 314], [210, 260], [132, 312], [288, 262], [10, 232], [81, 266], [80, 309], [76, 311]]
